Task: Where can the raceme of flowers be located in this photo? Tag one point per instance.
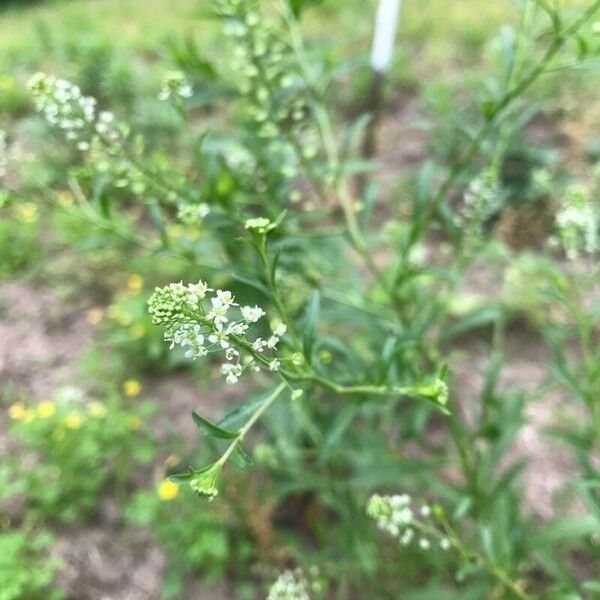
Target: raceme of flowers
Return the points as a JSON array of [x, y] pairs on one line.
[[192, 214], [394, 515], [578, 222], [203, 322], [295, 585], [269, 78], [64, 106], [481, 199]]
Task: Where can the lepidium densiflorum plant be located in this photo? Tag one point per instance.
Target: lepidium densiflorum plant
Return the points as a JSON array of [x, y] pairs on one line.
[[427, 527]]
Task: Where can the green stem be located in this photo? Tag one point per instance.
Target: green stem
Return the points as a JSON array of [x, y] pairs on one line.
[[492, 569], [241, 434]]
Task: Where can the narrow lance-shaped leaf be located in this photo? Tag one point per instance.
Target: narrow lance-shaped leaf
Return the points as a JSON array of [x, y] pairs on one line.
[[212, 430]]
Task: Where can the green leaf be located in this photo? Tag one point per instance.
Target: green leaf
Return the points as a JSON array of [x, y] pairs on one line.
[[240, 457], [567, 528], [212, 430], [182, 477]]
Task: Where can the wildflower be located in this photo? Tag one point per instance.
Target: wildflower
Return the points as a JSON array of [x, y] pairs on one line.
[[64, 106], [73, 420], [204, 482], [259, 225], [391, 513], [175, 85], [424, 544], [259, 344], [294, 585], [97, 410], [279, 329], [17, 411], [46, 409], [481, 200], [95, 315], [445, 544], [135, 282], [192, 214], [274, 365], [232, 372], [167, 490], [578, 222], [131, 387], [200, 324], [252, 314]]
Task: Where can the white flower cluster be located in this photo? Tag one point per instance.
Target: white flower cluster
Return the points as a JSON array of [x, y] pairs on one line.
[[394, 515], [481, 199], [175, 85], [64, 106], [3, 154], [201, 325], [578, 222], [192, 214], [295, 585]]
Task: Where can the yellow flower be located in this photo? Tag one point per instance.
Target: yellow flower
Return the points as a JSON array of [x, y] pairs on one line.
[[17, 411], [135, 282], [97, 410], [134, 422], [137, 331], [95, 315], [131, 387], [46, 409], [26, 212], [167, 490], [73, 420]]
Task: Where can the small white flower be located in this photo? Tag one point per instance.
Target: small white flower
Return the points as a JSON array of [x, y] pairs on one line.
[[231, 353], [219, 337], [239, 328], [424, 544], [280, 329], [232, 372], [259, 345], [274, 365], [252, 314]]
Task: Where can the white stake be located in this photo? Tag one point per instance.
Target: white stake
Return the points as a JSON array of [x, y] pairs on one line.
[[386, 23]]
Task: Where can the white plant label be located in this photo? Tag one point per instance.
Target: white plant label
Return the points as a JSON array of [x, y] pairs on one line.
[[386, 23]]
